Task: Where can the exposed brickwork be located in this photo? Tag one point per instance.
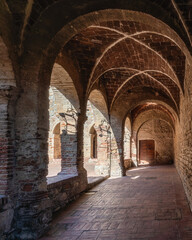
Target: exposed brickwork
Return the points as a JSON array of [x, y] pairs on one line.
[[165, 13], [163, 45], [124, 61], [183, 138]]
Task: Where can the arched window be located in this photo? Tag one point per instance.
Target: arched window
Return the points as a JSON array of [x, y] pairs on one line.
[[93, 143], [57, 142]]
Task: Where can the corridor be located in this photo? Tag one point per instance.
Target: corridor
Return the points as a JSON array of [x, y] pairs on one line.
[[149, 203]]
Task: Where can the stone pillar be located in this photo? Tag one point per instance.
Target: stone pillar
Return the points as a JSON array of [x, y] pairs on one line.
[[6, 142], [117, 166], [7, 159], [80, 148], [33, 211]]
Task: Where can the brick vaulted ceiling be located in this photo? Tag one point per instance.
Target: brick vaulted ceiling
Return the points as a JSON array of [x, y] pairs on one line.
[[119, 56], [123, 55], [27, 12]]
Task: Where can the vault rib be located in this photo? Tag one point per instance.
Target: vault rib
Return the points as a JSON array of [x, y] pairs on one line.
[[137, 74], [126, 36]]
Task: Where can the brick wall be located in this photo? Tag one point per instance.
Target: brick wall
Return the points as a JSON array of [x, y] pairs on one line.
[[62, 190], [183, 136]]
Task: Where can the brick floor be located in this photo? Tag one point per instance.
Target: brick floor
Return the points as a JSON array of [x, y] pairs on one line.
[[149, 203]]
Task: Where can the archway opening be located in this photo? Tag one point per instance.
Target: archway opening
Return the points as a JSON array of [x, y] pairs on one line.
[[96, 136], [63, 116]]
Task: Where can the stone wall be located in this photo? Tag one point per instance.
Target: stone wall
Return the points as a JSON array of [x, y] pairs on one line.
[[62, 190]]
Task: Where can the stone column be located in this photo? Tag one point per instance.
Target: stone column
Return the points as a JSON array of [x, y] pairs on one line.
[[117, 166], [33, 210], [80, 148], [7, 159], [6, 141]]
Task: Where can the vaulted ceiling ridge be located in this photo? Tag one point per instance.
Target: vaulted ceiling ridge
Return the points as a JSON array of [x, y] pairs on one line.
[[139, 73], [127, 36]]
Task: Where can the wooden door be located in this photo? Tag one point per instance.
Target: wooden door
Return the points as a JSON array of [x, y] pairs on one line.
[[147, 150]]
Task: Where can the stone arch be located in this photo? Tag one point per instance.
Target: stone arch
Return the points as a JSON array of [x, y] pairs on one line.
[[87, 17], [131, 83], [143, 118], [61, 80], [137, 97], [150, 114], [119, 14], [172, 112], [61, 38], [31, 118]]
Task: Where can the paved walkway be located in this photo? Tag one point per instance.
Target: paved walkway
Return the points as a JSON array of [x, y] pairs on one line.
[[147, 204]]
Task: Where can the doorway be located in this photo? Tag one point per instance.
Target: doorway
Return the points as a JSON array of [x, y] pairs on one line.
[[146, 151]]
